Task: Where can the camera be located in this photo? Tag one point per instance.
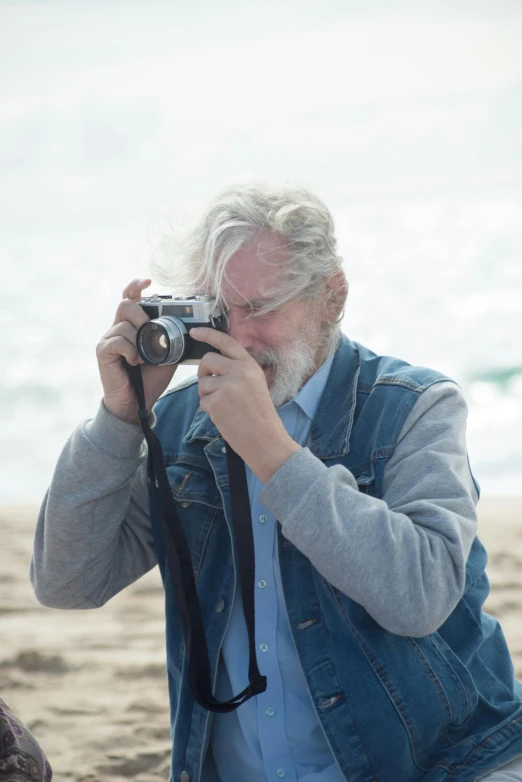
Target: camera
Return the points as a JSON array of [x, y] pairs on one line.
[[165, 339]]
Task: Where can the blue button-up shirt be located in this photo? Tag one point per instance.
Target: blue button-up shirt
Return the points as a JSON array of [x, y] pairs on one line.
[[276, 735]]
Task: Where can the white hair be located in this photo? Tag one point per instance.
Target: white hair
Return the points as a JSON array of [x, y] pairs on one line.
[[193, 260]]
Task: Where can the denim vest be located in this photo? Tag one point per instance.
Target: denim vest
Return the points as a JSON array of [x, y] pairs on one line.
[[442, 707]]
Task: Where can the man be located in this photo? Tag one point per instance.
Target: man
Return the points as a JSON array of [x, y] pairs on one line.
[[369, 577]]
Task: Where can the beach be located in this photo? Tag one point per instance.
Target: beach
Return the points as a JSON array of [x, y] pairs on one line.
[[92, 685]]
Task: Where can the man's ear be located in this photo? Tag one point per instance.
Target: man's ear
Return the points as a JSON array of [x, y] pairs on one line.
[[335, 294]]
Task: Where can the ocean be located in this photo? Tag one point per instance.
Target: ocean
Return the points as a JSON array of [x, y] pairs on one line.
[[437, 282]]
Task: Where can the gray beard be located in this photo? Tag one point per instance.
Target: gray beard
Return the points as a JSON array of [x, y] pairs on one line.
[[291, 377], [292, 365]]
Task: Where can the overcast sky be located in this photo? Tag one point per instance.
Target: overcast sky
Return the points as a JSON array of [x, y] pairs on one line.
[[110, 110]]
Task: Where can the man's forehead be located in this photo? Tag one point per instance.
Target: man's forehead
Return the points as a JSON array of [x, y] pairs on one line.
[[245, 297], [264, 255], [243, 303], [255, 271]]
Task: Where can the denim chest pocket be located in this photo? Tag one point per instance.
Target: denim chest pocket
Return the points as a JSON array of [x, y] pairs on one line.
[[198, 503], [192, 483]]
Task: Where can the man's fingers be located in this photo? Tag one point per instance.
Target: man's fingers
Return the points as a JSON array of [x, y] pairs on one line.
[[214, 364], [129, 309], [122, 329], [113, 348], [208, 384], [135, 288], [218, 339]]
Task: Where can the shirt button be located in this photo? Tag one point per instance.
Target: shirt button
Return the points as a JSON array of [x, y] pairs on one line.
[[224, 450], [270, 712], [220, 606], [261, 584], [264, 648], [185, 504], [263, 519], [281, 772], [184, 777]]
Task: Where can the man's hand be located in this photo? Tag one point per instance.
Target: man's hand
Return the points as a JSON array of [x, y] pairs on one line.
[[234, 393], [120, 342]]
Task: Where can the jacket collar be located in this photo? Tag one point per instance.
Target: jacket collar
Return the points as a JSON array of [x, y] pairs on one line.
[[201, 428], [332, 426]]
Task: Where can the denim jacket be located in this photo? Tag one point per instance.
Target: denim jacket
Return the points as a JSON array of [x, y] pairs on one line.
[[392, 707]]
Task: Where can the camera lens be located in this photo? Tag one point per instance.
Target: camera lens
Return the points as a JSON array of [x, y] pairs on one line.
[[162, 341], [155, 343]]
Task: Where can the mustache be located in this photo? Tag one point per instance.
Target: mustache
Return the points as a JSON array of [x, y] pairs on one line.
[[267, 359]]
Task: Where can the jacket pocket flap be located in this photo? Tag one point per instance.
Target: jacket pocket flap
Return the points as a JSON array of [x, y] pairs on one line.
[[191, 483]]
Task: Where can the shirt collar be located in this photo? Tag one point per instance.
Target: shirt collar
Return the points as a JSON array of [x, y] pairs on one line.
[[334, 417], [310, 394]]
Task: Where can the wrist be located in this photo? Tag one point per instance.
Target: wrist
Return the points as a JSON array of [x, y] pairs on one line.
[[266, 459], [113, 435], [127, 414]]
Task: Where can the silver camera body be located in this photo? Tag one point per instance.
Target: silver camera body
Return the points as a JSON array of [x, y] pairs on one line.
[[165, 339]]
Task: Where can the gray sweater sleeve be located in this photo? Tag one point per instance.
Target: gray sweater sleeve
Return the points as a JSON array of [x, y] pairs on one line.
[[93, 536], [402, 557]]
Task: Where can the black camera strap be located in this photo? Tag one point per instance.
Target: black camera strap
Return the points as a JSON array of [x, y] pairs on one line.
[[179, 563]]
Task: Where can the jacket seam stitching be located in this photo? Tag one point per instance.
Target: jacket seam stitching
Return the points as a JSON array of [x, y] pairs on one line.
[[181, 387], [482, 745]]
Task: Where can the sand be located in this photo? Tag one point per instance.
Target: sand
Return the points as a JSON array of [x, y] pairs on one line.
[[92, 686]]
